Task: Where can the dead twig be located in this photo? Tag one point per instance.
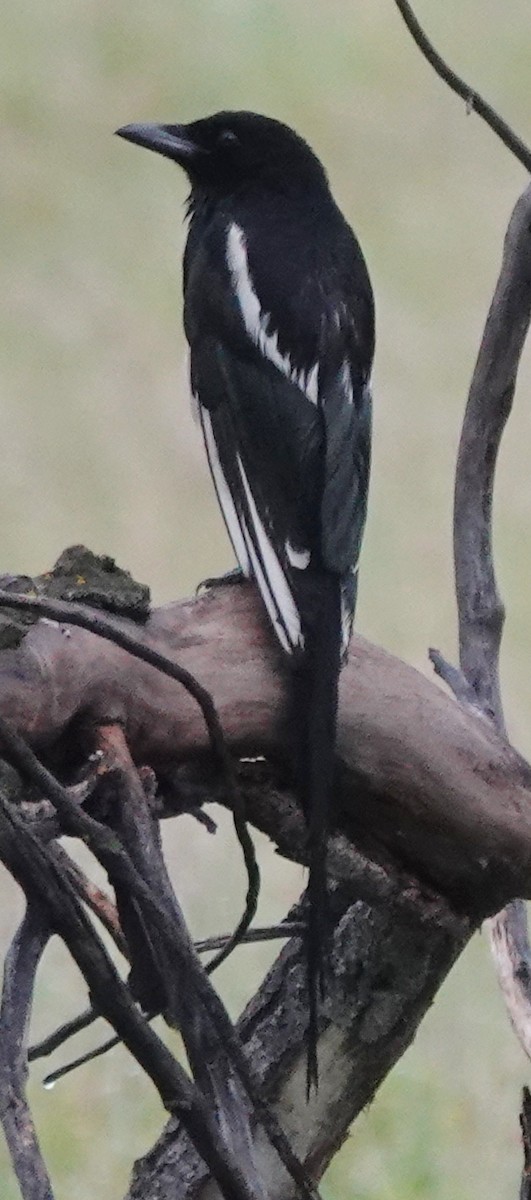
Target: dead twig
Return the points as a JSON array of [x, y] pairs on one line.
[[95, 898], [474, 102]]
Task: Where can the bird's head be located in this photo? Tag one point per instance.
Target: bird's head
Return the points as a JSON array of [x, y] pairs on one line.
[[225, 152]]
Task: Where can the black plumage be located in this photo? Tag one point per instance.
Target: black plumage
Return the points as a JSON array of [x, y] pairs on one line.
[[278, 311]]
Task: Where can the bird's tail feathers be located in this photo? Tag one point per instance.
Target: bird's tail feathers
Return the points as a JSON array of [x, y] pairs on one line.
[[315, 717]]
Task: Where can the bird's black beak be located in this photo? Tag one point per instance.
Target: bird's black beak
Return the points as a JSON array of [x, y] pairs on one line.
[[173, 141]]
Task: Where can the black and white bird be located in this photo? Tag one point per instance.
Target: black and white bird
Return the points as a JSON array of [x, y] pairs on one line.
[[279, 314]]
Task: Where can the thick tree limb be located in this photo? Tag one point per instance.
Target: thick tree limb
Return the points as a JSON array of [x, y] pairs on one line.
[[420, 780], [384, 972]]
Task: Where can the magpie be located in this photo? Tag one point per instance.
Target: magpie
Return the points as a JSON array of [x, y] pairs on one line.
[[279, 316]]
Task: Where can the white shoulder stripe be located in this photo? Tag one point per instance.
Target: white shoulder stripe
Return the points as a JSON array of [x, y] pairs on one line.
[[257, 322], [270, 577]]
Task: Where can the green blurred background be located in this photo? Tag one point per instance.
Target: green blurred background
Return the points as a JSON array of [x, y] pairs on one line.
[[98, 446]]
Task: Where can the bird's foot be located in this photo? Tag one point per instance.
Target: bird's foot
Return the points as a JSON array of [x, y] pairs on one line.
[[229, 579]]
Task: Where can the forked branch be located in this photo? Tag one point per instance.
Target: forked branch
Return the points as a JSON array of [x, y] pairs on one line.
[[480, 609]]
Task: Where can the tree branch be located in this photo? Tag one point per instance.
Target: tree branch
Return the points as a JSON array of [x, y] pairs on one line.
[[474, 102], [489, 404], [21, 964], [480, 610], [421, 783]]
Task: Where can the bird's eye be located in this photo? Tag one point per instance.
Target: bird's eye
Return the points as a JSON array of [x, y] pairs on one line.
[[227, 138]]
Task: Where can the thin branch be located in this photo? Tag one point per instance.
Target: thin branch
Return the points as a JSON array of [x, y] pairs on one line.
[[95, 899], [67, 1068], [474, 102], [59, 1036], [480, 610], [456, 681], [21, 964], [266, 933], [42, 1049], [93, 622]]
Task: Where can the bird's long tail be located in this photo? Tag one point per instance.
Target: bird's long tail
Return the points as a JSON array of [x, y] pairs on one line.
[[315, 697]]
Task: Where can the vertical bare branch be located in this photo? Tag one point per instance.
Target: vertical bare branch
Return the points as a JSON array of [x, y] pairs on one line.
[[20, 969], [480, 610]]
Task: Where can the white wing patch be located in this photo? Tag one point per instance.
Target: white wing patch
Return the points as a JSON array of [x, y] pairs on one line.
[[297, 558], [225, 500], [257, 322], [310, 383], [270, 577], [253, 548], [347, 617], [346, 382]]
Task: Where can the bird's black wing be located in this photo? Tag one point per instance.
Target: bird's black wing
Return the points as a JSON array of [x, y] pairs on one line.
[[265, 447], [347, 410]]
